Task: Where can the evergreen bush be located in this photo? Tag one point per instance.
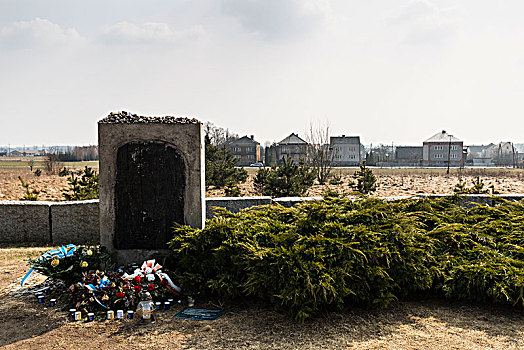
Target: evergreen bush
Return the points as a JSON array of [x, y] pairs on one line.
[[289, 179], [28, 195], [83, 186], [366, 180], [220, 166], [333, 253]]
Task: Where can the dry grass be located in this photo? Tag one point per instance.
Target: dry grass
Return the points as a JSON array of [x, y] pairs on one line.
[[13, 261], [391, 182], [425, 324]]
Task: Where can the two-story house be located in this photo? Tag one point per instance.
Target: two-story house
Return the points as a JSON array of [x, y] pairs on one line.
[[442, 149], [293, 148], [345, 150], [245, 150]]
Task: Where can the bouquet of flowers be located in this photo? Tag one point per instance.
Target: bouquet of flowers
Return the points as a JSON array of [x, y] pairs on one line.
[[122, 290], [71, 262]]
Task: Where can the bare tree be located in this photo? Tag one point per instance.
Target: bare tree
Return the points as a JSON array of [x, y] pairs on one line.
[[218, 136], [52, 163], [320, 155]]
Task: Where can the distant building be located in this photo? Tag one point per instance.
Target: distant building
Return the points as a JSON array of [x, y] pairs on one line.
[[477, 155], [442, 149], [345, 150], [246, 150], [292, 148], [409, 155], [501, 154]]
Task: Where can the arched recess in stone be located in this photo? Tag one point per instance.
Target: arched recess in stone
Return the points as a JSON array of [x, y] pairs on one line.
[[149, 194]]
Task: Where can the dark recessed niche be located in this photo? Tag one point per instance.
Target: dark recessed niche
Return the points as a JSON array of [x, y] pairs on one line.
[[149, 194]]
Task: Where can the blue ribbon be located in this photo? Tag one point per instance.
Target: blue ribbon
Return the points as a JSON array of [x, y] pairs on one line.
[[104, 282], [59, 253]]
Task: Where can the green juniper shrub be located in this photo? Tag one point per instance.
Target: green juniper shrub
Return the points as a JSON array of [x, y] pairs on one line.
[[460, 187], [329, 192], [28, 195], [232, 189], [289, 179], [83, 186], [335, 180], [334, 253], [476, 188], [366, 180], [64, 172], [316, 255]]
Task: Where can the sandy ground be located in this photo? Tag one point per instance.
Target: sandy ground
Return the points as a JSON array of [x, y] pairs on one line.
[[391, 182], [422, 324]]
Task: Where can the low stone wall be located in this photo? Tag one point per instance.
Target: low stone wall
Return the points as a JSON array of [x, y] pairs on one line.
[[75, 222], [22, 221], [78, 222], [49, 222], [234, 204]]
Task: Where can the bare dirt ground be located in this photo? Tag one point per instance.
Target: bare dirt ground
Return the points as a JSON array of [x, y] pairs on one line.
[[48, 187], [391, 182], [423, 324]]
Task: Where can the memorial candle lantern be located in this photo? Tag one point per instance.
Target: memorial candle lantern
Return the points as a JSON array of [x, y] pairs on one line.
[[146, 308]]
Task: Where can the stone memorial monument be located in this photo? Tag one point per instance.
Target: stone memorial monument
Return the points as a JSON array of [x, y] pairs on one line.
[[151, 177]]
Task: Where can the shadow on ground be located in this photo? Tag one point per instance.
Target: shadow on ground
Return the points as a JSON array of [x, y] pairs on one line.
[[406, 325]]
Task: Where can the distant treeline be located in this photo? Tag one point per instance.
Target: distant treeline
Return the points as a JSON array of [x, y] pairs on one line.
[[77, 153]]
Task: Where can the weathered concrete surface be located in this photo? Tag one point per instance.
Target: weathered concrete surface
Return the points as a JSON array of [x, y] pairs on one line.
[[187, 139], [22, 221], [234, 204], [75, 222], [288, 202]]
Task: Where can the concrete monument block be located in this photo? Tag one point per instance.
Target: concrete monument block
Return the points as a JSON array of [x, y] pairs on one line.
[[151, 175]]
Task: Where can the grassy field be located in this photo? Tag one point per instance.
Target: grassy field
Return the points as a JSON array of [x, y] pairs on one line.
[[7, 163]]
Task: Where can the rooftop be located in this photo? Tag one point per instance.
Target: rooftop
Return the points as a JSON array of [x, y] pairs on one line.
[[292, 139], [245, 140], [443, 136]]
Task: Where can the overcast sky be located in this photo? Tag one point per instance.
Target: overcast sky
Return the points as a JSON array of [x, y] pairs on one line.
[[387, 70]]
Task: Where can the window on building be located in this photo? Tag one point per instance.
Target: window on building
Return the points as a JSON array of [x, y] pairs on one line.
[[237, 149], [249, 149], [438, 156], [250, 156], [236, 156], [453, 155], [454, 147], [438, 148], [283, 149]]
